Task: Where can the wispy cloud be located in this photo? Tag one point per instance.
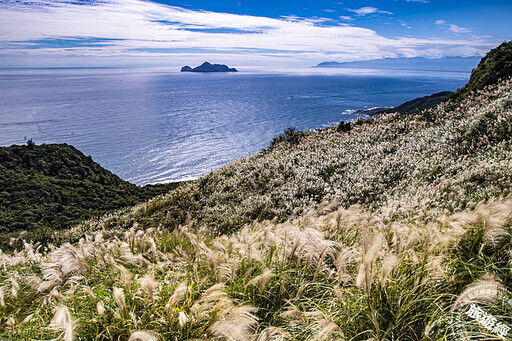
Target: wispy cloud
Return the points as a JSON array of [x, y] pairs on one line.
[[422, 1], [452, 27], [143, 29], [368, 10], [346, 18], [404, 24]]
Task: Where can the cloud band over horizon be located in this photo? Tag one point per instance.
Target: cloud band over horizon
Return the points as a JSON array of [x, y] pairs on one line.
[[93, 32]]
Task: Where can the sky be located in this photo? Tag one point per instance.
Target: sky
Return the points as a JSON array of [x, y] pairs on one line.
[[259, 33]]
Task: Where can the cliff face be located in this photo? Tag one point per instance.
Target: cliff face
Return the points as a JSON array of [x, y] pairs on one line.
[[207, 67]]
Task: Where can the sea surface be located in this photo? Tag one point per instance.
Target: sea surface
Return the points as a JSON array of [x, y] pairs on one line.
[[154, 126]]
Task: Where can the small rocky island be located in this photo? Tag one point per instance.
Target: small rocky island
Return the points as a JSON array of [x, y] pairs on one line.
[[207, 67]]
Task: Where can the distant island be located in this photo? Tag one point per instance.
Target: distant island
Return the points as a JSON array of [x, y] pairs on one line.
[[453, 64], [207, 67]]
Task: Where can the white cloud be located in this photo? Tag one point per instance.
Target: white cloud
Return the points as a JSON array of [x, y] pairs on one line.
[[368, 10], [141, 31], [422, 1], [404, 24], [452, 27]]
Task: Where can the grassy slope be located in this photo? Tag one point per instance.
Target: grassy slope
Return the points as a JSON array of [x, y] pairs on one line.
[[56, 186], [439, 160], [391, 267]]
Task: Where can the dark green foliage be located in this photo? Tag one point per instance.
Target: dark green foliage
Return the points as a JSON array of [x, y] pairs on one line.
[[344, 127], [421, 103], [290, 135], [55, 186], [496, 65]]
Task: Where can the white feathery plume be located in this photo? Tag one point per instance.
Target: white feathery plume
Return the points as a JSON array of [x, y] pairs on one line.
[[127, 254], [98, 238], [182, 319], [388, 265], [89, 293], [33, 281], [178, 294], [125, 276], [15, 287], [63, 320], [273, 334], [70, 259], [293, 311], [473, 292], [142, 336], [100, 308], [119, 298], [28, 319], [152, 247], [339, 294], [346, 257], [262, 279], [150, 287], [11, 323], [327, 330], [2, 299], [366, 270], [238, 326], [207, 301], [57, 295]]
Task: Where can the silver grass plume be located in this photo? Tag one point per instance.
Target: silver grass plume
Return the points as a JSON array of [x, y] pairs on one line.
[[273, 334], [100, 308], [388, 265], [183, 319], [178, 294], [366, 270], [293, 311], [261, 279], [150, 288], [2, 299], [142, 336], [238, 326], [119, 298], [63, 320], [11, 323], [89, 293]]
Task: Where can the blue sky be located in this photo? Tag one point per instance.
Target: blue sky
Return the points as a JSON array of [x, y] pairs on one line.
[[296, 33]]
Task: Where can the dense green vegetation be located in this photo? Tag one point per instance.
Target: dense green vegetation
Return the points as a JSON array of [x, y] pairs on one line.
[[50, 187], [495, 66], [418, 104]]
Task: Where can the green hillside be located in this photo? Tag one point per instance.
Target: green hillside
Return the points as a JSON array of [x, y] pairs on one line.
[[56, 186], [495, 66]]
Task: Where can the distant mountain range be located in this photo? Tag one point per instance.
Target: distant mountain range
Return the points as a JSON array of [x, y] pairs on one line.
[[457, 64]]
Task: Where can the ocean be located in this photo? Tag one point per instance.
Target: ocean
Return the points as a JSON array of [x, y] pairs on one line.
[[154, 126]]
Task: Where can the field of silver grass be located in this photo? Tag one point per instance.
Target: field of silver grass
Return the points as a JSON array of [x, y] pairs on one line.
[[418, 211], [347, 274], [437, 162]]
